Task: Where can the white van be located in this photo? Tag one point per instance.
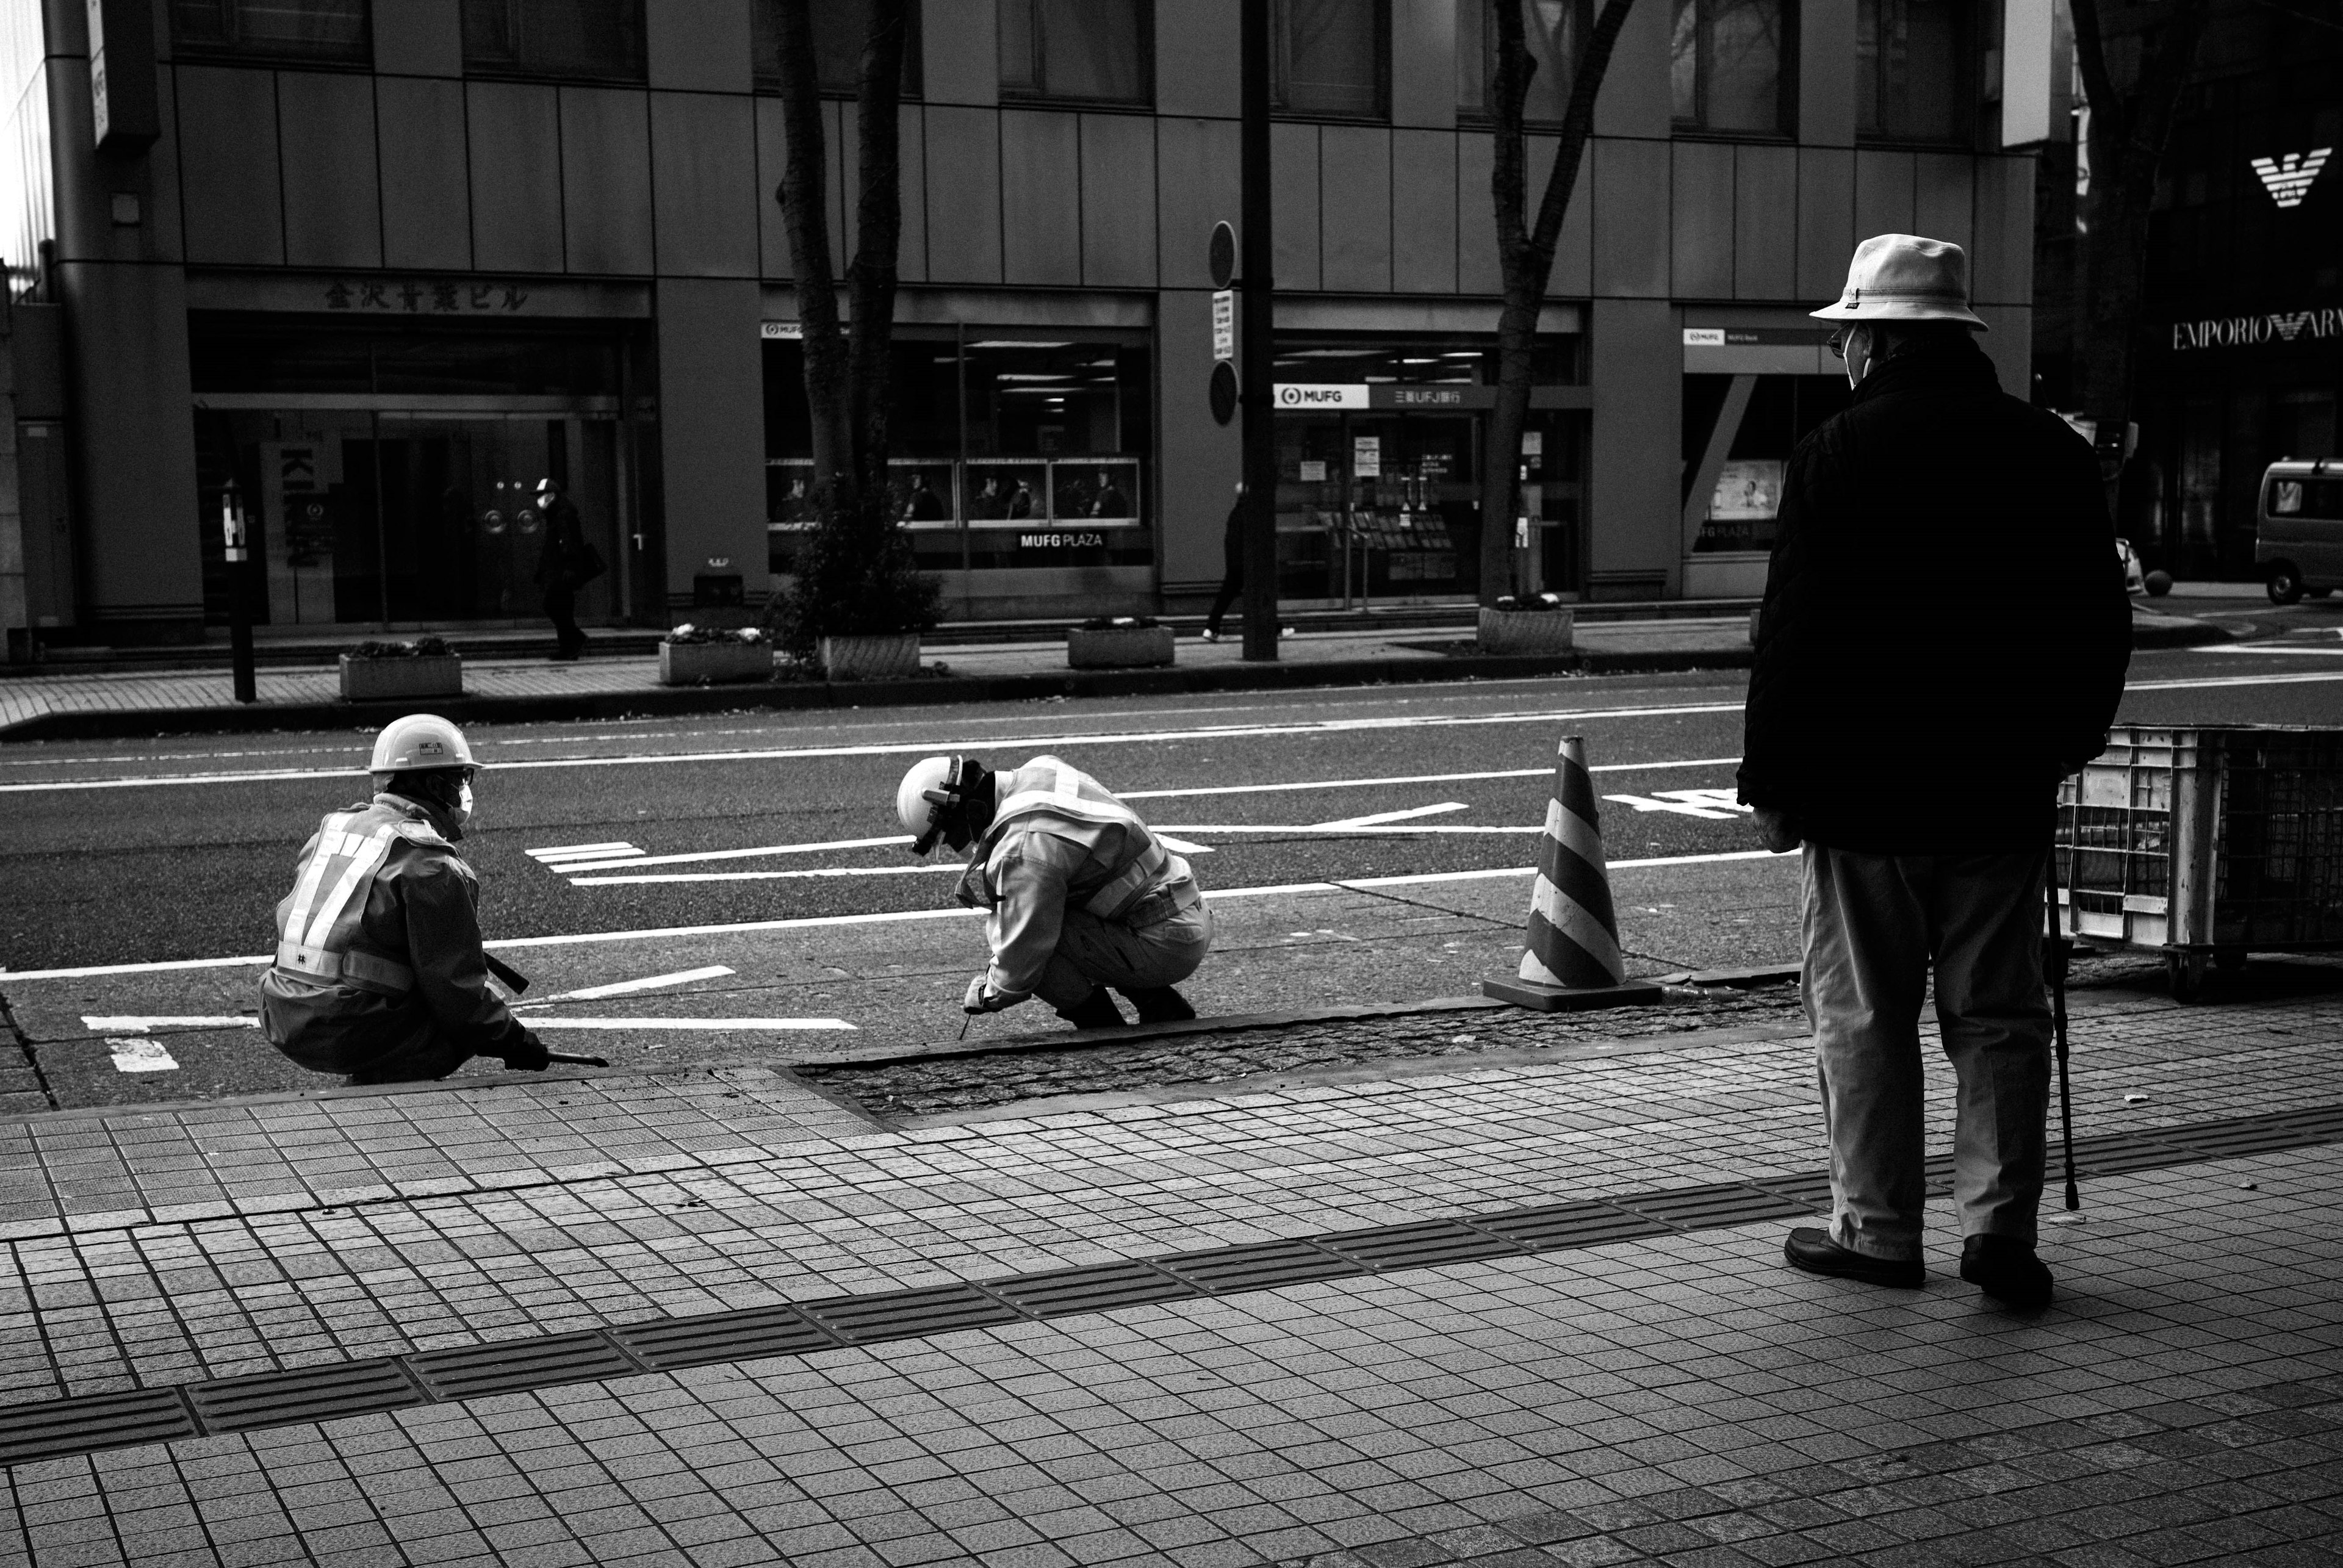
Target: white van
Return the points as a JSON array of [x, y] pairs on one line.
[[2298, 529]]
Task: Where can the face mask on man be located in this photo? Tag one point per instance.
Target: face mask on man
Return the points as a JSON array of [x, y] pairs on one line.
[[463, 812], [1858, 354]]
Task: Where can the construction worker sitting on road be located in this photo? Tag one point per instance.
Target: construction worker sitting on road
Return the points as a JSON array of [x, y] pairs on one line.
[[379, 973], [1082, 896]]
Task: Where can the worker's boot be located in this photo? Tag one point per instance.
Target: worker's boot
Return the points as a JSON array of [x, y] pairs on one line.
[[1159, 1004], [1096, 1011]]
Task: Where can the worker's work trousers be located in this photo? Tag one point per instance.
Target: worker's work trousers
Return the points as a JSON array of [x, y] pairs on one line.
[[424, 1061], [1874, 926], [1092, 952]]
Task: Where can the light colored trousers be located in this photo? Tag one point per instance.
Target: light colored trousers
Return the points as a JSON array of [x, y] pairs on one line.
[[1092, 952], [1875, 924]]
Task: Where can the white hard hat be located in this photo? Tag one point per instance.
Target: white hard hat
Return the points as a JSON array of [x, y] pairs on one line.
[[912, 807], [1904, 277], [418, 741]]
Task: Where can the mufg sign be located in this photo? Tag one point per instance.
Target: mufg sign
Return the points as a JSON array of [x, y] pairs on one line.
[[2245, 331]]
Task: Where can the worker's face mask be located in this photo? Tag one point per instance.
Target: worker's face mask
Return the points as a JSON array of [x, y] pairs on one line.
[[463, 812]]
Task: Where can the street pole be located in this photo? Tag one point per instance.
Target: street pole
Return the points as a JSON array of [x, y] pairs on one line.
[[1256, 349], [240, 593]]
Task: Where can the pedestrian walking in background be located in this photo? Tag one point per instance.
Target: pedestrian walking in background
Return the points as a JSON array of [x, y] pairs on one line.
[[567, 562], [1944, 637], [379, 970], [1231, 568]]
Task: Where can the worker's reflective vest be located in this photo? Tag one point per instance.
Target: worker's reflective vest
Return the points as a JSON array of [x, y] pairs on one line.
[[318, 923], [1047, 787]]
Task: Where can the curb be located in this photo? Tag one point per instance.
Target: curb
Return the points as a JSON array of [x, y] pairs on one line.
[[934, 691], [2153, 631]]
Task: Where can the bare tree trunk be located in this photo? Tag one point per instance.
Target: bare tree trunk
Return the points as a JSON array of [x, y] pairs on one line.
[[2128, 132], [1525, 257], [804, 197], [878, 228]]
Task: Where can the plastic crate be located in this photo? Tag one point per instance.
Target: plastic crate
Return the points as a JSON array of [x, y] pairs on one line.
[[2205, 842]]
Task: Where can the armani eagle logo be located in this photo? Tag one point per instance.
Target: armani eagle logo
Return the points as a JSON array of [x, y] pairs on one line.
[[2288, 178]]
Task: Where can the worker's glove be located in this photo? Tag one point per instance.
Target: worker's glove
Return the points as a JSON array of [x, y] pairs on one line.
[[530, 1056], [980, 998]]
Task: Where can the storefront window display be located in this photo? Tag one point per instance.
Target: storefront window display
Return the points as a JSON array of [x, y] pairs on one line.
[[1379, 450], [392, 480], [1011, 448], [1738, 433]]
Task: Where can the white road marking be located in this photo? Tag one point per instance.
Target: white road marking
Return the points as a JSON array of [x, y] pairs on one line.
[[1337, 829], [624, 988], [1181, 846], [141, 1053], [2330, 652], [923, 869], [712, 1025], [1715, 805], [2233, 681], [885, 917], [562, 851], [921, 748], [141, 1025], [698, 856], [1417, 779], [1377, 819]]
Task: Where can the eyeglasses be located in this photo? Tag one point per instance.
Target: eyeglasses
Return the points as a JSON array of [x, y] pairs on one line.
[[1838, 342]]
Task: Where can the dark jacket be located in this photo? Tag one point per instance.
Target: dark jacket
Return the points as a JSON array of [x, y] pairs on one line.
[[1946, 629], [563, 561], [420, 914]]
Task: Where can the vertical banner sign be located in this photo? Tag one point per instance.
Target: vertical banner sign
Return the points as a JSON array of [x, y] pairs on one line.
[[1225, 324], [122, 112]]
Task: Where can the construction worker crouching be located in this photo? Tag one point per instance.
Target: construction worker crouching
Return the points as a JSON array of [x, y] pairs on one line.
[[380, 971], [1081, 894]]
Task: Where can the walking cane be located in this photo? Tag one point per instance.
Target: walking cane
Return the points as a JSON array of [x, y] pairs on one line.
[[2059, 947]]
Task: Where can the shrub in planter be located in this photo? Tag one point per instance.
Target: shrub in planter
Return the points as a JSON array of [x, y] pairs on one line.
[[701, 656], [396, 671], [1118, 642], [858, 601], [1541, 623]]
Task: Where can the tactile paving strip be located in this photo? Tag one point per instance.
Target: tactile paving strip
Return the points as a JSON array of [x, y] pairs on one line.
[[53, 1429]]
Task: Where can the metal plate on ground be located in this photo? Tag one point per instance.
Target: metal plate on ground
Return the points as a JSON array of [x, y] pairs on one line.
[[1704, 1208], [1100, 1288], [705, 1339], [1421, 1245], [1261, 1266], [2227, 1142], [2118, 1154], [1557, 1226], [908, 1314], [510, 1366], [56, 1427], [304, 1394], [1811, 1188]]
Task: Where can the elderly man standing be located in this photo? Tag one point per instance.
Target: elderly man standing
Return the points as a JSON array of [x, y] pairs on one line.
[[1944, 637]]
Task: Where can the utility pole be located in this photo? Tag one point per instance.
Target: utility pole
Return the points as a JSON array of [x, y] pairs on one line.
[[1257, 348]]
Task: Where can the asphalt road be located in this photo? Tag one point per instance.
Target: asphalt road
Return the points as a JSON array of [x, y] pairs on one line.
[[745, 845]]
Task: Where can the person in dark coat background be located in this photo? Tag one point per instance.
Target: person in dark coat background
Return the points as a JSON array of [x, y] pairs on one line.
[[1232, 568], [562, 566], [1944, 637]]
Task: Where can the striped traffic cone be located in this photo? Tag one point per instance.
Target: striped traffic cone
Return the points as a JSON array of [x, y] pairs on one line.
[[1571, 960]]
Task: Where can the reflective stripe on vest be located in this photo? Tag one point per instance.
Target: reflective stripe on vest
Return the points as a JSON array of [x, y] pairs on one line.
[[331, 895], [1073, 793]]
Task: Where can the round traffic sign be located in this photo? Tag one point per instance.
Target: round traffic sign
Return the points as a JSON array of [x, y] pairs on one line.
[[1223, 254], [1224, 392]]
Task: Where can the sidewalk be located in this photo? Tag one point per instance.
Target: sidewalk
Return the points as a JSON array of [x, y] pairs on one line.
[[1514, 1311]]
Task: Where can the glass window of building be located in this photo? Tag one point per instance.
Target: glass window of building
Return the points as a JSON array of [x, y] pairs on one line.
[[1553, 29], [1743, 466], [1092, 51], [839, 27], [324, 30], [1331, 58], [1731, 66], [591, 39], [1911, 70]]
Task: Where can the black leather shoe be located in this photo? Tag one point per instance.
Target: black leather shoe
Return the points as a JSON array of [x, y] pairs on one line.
[[2006, 1268], [1096, 1011], [1159, 1004], [1816, 1253]]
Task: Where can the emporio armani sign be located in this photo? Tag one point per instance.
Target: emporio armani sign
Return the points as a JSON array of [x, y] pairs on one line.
[[2272, 327], [2288, 178]]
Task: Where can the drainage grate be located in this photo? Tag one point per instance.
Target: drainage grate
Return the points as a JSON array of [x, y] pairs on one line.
[[1810, 1189], [1700, 1208], [1100, 1288], [57, 1427], [1261, 1266], [667, 1344], [2115, 1155], [1557, 1226], [1423, 1245], [908, 1314], [509, 1366], [2227, 1143], [310, 1393]]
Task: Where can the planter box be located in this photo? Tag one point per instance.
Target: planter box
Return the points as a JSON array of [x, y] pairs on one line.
[[1527, 630], [894, 656], [705, 663], [397, 680], [1120, 648]]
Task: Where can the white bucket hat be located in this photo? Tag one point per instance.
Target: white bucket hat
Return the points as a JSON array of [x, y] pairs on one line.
[[1904, 277]]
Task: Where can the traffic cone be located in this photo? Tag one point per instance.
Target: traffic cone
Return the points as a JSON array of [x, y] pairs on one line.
[[1571, 958]]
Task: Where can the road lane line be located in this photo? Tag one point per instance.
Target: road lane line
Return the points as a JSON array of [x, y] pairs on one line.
[[626, 988], [1329, 727], [801, 874], [101, 1025], [563, 851], [1378, 818], [884, 917], [2328, 652], [717, 1025], [141, 1053], [2205, 681]]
